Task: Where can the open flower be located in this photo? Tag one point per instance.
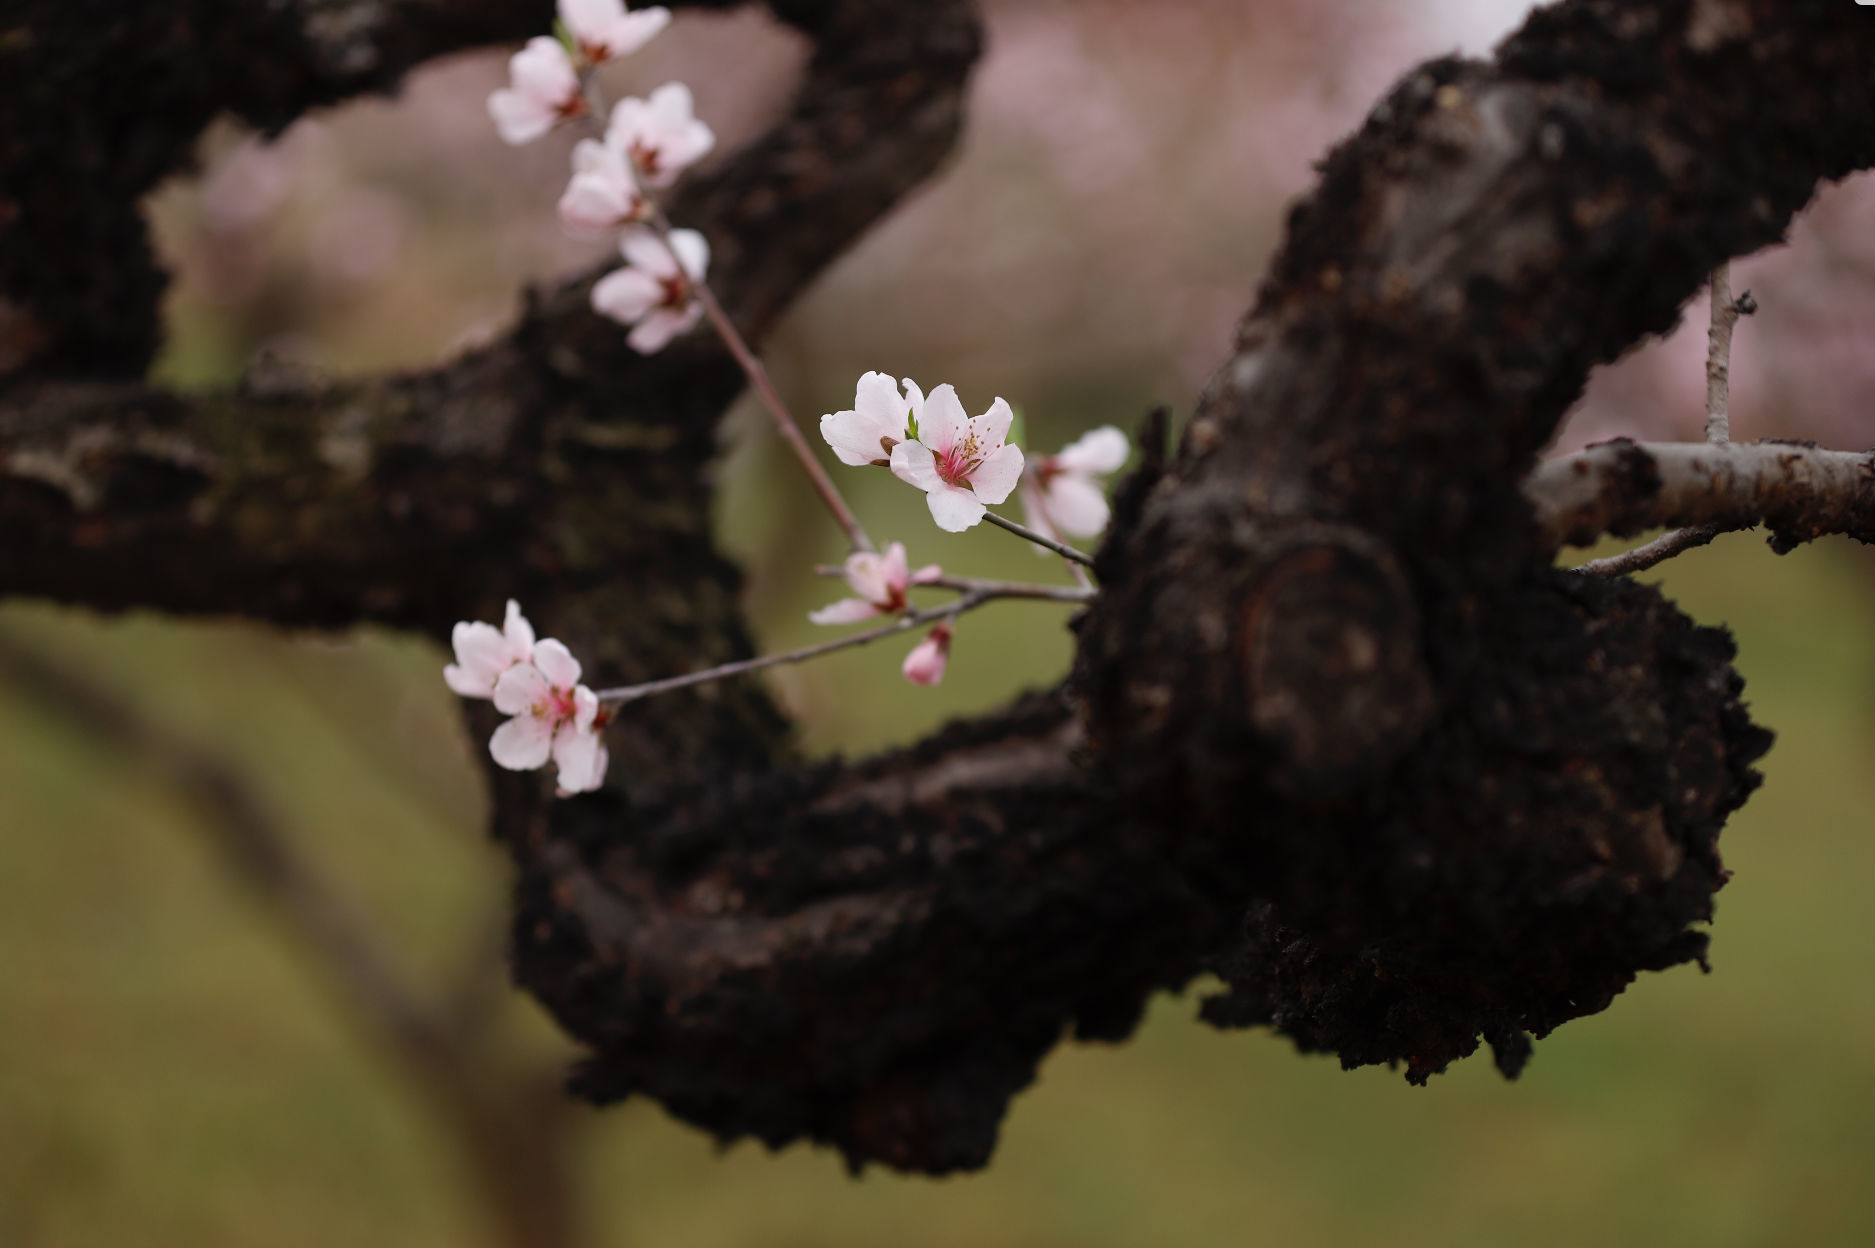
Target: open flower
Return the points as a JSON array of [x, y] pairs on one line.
[[880, 419], [661, 135], [603, 30], [651, 292], [1059, 493], [484, 652], [543, 89], [603, 194], [880, 581], [960, 462], [925, 664], [554, 717]]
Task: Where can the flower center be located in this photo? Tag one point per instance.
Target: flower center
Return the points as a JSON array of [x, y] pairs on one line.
[[955, 465]]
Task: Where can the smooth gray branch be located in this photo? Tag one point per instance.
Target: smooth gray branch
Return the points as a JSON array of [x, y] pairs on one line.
[[1799, 491]]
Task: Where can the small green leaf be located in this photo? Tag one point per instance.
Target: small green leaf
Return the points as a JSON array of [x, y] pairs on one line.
[[911, 423]]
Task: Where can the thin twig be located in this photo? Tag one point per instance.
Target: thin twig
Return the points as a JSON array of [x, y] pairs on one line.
[[1645, 556], [1021, 530], [1016, 589], [1719, 356], [765, 390], [969, 600]]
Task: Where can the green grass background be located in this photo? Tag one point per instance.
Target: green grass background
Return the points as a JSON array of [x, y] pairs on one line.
[[172, 1072]]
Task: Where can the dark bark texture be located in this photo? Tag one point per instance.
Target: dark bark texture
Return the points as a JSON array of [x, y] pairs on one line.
[[1337, 730]]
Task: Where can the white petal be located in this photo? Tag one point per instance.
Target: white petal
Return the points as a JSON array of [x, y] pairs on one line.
[[519, 117], [1101, 450], [866, 573], [914, 399], [997, 475], [519, 632], [481, 649], [585, 707], [644, 250], [1035, 514], [876, 398], [626, 295], [944, 423], [954, 510], [556, 663], [594, 203], [845, 611], [541, 69], [992, 427], [892, 571], [635, 30], [588, 19], [854, 438], [693, 250], [522, 744], [592, 156], [913, 463], [580, 758], [467, 684], [660, 327], [1075, 505], [520, 689]]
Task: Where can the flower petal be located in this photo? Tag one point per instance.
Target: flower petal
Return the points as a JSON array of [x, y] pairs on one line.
[[520, 689], [522, 744], [541, 69], [519, 632], [626, 295], [926, 662], [913, 463], [645, 251], [853, 437], [1075, 505], [925, 575], [580, 757], [585, 707], [1098, 451], [481, 649], [892, 571], [519, 118], [954, 509], [992, 427], [693, 250], [594, 203], [467, 684], [845, 611], [657, 329], [944, 423], [997, 475], [556, 663]]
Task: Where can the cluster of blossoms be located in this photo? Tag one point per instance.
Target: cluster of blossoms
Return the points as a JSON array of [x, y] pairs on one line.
[[537, 683], [964, 464], [647, 143]]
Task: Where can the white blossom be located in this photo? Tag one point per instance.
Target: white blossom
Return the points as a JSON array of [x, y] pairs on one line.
[[484, 652], [543, 89], [959, 461], [651, 293], [554, 716], [879, 420], [1059, 492], [661, 136], [603, 29]]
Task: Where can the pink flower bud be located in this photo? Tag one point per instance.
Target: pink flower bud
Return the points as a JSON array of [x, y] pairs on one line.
[[925, 664]]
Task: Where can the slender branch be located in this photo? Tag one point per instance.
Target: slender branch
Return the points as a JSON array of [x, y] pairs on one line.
[[1659, 550], [975, 594], [1725, 314], [1021, 530], [1623, 487], [765, 390]]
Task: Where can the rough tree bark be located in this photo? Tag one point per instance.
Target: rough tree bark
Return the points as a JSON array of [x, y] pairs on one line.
[[1337, 729]]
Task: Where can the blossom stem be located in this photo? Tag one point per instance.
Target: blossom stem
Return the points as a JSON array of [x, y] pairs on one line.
[[1002, 589], [1040, 539], [771, 399], [969, 600]]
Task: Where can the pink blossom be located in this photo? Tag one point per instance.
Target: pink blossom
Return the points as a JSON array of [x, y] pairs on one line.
[[880, 581], [603, 29], [554, 717], [660, 135], [1059, 493], [603, 194], [925, 664], [650, 292], [960, 462], [543, 90], [484, 652], [880, 419]]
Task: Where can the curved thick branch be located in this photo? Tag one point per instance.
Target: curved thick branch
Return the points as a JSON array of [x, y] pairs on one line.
[[1798, 491]]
